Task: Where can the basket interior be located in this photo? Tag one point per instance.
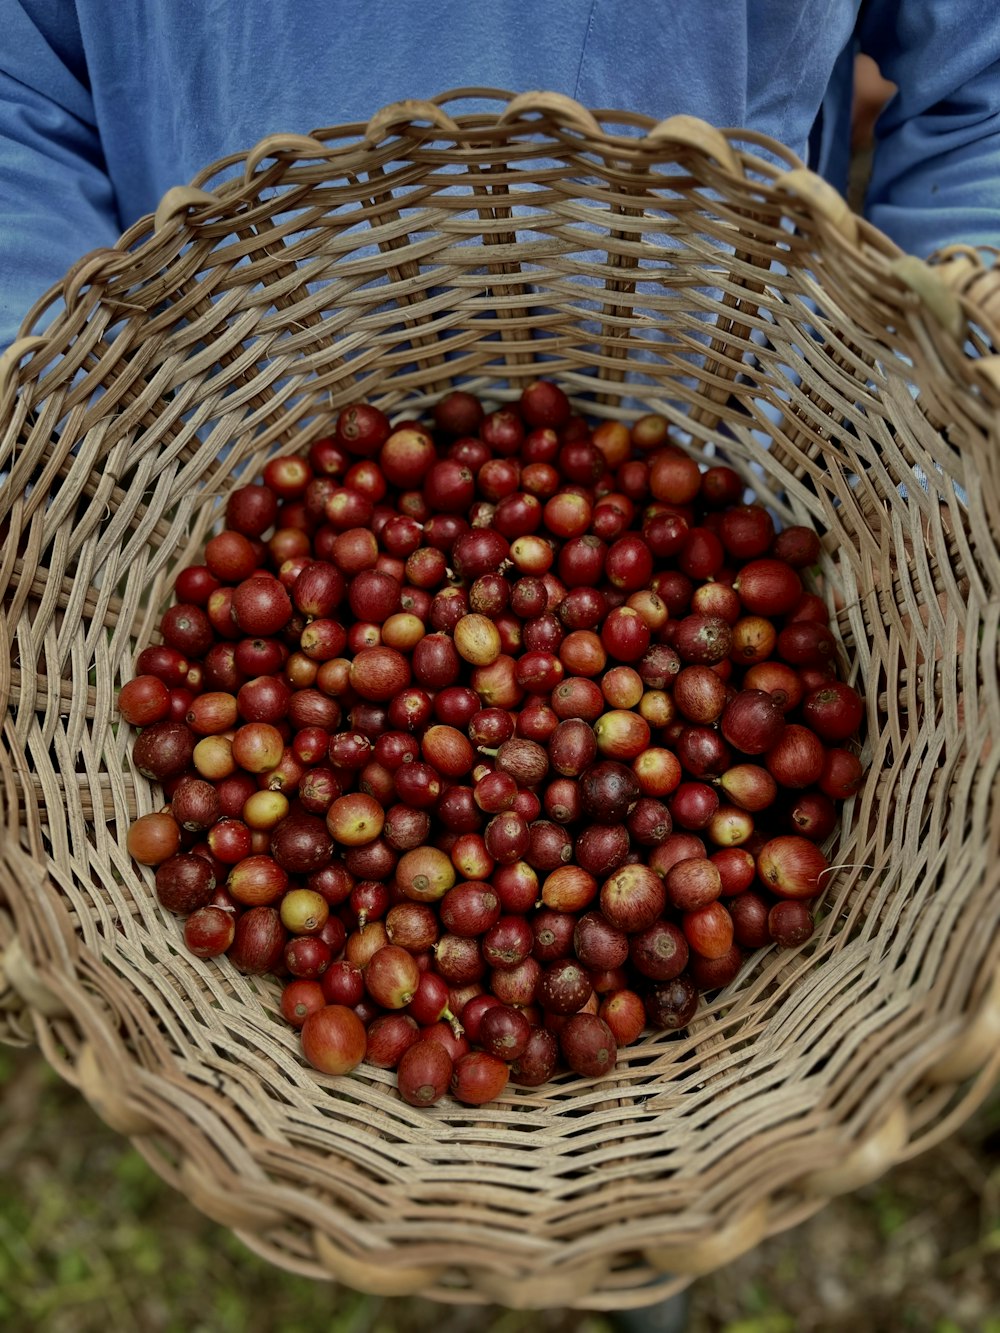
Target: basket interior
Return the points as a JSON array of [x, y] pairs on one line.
[[641, 281]]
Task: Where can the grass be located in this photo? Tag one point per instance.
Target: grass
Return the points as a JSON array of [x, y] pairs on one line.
[[92, 1241]]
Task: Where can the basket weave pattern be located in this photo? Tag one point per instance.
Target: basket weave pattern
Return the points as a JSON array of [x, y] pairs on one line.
[[668, 268]]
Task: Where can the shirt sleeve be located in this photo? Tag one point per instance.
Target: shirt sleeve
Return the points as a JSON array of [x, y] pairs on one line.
[[56, 201], [936, 163]]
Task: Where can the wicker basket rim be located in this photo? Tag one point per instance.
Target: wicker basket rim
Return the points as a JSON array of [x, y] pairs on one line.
[[229, 1172]]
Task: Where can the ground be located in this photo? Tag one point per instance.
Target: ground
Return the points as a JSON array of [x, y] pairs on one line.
[[91, 1241]]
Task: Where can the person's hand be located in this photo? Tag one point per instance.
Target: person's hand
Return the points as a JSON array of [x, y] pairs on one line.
[[871, 92]]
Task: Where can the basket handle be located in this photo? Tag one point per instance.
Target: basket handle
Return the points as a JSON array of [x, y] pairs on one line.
[[564, 110], [975, 1046], [180, 200], [277, 145], [691, 132], [937, 294], [821, 199], [382, 1275], [869, 1160], [406, 112], [961, 269], [696, 1259]]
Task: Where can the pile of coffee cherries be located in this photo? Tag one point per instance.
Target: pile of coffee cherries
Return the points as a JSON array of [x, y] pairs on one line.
[[498, 735]]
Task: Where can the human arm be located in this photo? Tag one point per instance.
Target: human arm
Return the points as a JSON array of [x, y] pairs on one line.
[[56, 201], [936, 164]]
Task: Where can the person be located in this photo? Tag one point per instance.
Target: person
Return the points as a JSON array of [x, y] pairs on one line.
[[105, 105]]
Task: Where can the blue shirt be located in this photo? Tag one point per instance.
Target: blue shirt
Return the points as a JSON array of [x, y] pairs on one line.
[[105, 104]]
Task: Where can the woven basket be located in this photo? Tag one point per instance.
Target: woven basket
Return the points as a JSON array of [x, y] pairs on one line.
[[656, 267]]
